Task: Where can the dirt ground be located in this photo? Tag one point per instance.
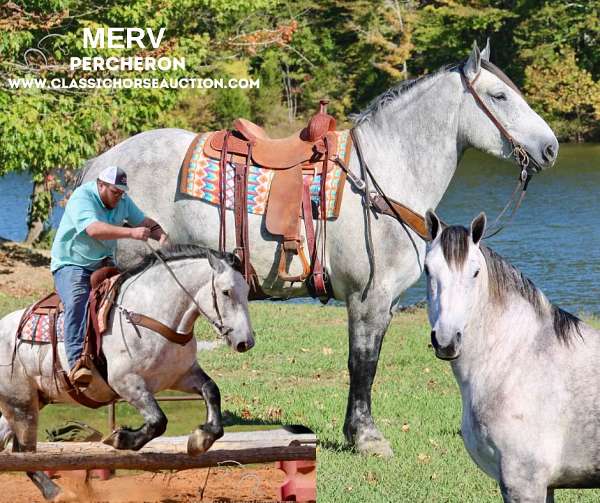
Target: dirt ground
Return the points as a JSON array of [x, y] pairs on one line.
[[23, 271], [225, 484]]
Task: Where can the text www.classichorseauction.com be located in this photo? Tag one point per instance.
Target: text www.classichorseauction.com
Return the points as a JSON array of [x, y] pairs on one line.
[[122, 38]]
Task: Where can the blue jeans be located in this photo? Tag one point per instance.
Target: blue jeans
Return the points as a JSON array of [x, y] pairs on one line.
[[72, 283]]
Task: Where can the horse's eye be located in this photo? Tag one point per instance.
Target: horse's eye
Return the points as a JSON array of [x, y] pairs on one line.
[[226, 293], [426, 269], [499, 96], [476, 273]]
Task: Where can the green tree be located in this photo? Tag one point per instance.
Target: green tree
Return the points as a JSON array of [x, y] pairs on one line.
[[43, 130]]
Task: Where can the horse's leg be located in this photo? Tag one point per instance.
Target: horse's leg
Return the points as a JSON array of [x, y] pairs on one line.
[[197, 381], [6, 434], [133, 389], [22, 420], [367, 324], [534, 493], [524, 483]]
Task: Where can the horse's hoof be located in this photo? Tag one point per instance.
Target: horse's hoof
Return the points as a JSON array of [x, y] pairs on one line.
[[199, 442], [122, 440], [112, 439], [374, 447]]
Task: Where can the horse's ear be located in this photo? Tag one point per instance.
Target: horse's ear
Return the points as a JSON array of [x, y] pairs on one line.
[[478, 227], [434, 226], [485, 54], [473, 64], [215, 262]]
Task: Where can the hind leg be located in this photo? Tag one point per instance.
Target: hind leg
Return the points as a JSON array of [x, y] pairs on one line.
[[133, 389], [22, 420], [198, 382]]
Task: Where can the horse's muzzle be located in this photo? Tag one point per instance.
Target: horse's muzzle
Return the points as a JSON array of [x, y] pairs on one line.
[[244, 346], [450, 351]]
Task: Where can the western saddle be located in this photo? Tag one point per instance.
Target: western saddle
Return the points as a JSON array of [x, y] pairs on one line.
[[103, 291], [310, 151]]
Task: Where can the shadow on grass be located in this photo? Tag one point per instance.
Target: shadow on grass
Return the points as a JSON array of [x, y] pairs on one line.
[[24, 255], [232, 419], [335, 446]]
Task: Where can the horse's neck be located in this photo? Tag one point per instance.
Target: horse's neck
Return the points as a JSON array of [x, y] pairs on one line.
[[494, 337], [412, 144], [156, 294]]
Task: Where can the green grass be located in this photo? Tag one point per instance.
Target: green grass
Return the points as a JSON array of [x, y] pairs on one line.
[[297, 374]]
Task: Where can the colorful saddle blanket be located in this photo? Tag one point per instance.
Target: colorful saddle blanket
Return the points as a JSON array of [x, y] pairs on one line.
[[37, 328], [200, 179]]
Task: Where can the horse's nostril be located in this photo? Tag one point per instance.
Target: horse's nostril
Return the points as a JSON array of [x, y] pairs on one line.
[[434, 341], [242, 347], [458, 336], [549, 153]]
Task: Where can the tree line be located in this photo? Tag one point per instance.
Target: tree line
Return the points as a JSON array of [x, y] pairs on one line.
[[347, 51]]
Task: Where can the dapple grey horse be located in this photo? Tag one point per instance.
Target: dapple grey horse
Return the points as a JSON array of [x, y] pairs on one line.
[[412, 138], [527, 370], [140, 362]]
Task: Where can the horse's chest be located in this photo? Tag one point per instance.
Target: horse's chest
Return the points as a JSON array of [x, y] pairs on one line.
[[479, 444]]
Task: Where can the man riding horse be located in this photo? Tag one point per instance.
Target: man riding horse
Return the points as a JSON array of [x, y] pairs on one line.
[[85, 241]]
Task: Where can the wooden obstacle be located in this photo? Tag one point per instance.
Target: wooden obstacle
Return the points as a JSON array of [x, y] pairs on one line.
[[165, 453]]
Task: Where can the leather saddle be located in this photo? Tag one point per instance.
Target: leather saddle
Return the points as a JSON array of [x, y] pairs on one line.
[[311, 150], [103, 291]]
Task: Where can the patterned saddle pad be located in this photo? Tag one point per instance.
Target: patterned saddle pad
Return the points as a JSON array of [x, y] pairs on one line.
[[200, 179], [37, 328]]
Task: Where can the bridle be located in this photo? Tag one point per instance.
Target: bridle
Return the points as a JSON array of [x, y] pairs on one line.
[[525, 162], [222, 330]]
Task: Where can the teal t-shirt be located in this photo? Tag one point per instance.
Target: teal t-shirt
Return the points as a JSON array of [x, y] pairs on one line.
[[72, 245]]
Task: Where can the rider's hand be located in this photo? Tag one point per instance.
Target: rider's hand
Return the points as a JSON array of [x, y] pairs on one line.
[[164, 239], [140, 233]]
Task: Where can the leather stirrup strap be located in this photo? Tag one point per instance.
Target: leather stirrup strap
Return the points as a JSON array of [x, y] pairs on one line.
[[223, 195], [241, 215], [316, 267], [62, 380]]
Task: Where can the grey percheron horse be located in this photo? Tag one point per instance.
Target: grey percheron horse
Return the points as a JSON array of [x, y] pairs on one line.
[[412, 138], [140, 362], [527, 370]]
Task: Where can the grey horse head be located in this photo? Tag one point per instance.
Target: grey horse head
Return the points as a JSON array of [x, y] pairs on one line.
[[509, 107], [229, 292]]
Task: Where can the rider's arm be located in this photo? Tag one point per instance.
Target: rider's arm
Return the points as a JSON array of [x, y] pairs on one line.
[[103, 231]]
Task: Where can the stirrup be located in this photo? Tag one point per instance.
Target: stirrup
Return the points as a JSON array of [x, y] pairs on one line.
[[290, 248]]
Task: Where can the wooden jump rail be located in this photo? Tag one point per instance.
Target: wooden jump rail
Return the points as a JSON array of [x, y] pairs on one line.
[[165, 453]]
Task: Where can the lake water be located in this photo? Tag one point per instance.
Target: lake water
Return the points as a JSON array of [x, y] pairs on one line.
[[554, 240]]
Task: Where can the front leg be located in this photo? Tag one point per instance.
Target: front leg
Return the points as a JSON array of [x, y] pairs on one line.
[[198, 382], [133, 389], [524, 481], [367, 324]]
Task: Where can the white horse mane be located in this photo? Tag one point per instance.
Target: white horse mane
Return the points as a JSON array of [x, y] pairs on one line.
[[390, 95]]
